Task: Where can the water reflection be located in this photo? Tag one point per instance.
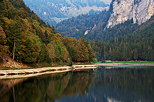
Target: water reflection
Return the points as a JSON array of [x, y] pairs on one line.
[[126, 85], [103, 85], [48, 88]]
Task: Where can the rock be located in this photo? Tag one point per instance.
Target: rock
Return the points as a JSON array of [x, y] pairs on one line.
[[138, 10]]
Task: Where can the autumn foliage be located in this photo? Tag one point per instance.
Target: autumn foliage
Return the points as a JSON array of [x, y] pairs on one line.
[[26, 38]]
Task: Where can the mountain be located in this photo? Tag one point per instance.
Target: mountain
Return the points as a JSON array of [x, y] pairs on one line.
[[124, 32], [123, 17], [25, 38], [137, 45], [83, 24], [54, 11], [123, 10]]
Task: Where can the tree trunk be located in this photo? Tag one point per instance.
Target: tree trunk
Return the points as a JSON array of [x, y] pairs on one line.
[[13, 52], [14, 95]]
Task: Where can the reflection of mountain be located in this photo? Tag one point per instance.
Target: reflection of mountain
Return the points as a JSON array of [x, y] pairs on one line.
[[119, 85], [126, 85]]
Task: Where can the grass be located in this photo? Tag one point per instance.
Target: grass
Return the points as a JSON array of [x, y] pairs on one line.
[[127, 62], [113, 67], [132, 62]]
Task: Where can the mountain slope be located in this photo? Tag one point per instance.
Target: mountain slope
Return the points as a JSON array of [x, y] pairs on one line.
[[133, 46], [83, 24], [123, 17], [53, 11], [26, 38]]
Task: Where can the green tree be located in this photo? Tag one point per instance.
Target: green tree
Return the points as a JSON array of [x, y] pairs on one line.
[[3, 47], [29, 49], [57, 52]]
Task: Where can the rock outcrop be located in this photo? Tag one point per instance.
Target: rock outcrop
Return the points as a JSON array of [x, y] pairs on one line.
[[137, 10]]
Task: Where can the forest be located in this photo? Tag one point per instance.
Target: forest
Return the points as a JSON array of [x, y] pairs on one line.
[[26, 38], [126, 41], [138, 45]]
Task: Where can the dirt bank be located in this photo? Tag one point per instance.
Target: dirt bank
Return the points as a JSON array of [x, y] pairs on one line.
[[10, 63]]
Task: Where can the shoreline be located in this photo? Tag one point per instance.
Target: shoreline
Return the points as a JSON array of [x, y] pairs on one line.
[[124, 64], [25, 73]]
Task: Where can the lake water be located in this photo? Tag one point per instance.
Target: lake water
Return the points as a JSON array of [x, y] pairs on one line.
[[101, 85]]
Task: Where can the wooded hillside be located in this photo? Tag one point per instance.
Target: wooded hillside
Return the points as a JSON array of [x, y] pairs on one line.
[[26, 38]]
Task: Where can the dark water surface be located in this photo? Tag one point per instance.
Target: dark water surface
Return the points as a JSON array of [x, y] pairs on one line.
[[102, 85]]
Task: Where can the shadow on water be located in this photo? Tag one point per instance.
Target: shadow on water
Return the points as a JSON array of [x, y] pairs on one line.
[[103, 85]]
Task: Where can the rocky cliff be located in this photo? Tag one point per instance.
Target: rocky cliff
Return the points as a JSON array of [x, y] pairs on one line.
[[123, 10]]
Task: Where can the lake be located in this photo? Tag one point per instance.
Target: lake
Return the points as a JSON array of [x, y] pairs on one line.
[[101, 85]]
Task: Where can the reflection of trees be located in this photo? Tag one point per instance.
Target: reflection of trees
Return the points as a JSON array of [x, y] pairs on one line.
[[32, 90], [5, 85], [135, 81], [69, 85], [80, 83], [7, 88], [56, 86], [114, 84], [47, 88]]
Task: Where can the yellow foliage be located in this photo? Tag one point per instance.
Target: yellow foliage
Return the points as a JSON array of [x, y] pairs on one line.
[[8, 21], [51, 51]]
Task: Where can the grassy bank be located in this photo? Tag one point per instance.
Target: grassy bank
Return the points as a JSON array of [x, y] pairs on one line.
[[151, 62], [132, 62]]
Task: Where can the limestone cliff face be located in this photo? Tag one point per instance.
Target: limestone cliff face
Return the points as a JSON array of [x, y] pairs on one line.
[[138, 10]]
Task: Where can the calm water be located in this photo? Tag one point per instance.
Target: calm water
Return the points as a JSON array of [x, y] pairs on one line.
[[103, 85]]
